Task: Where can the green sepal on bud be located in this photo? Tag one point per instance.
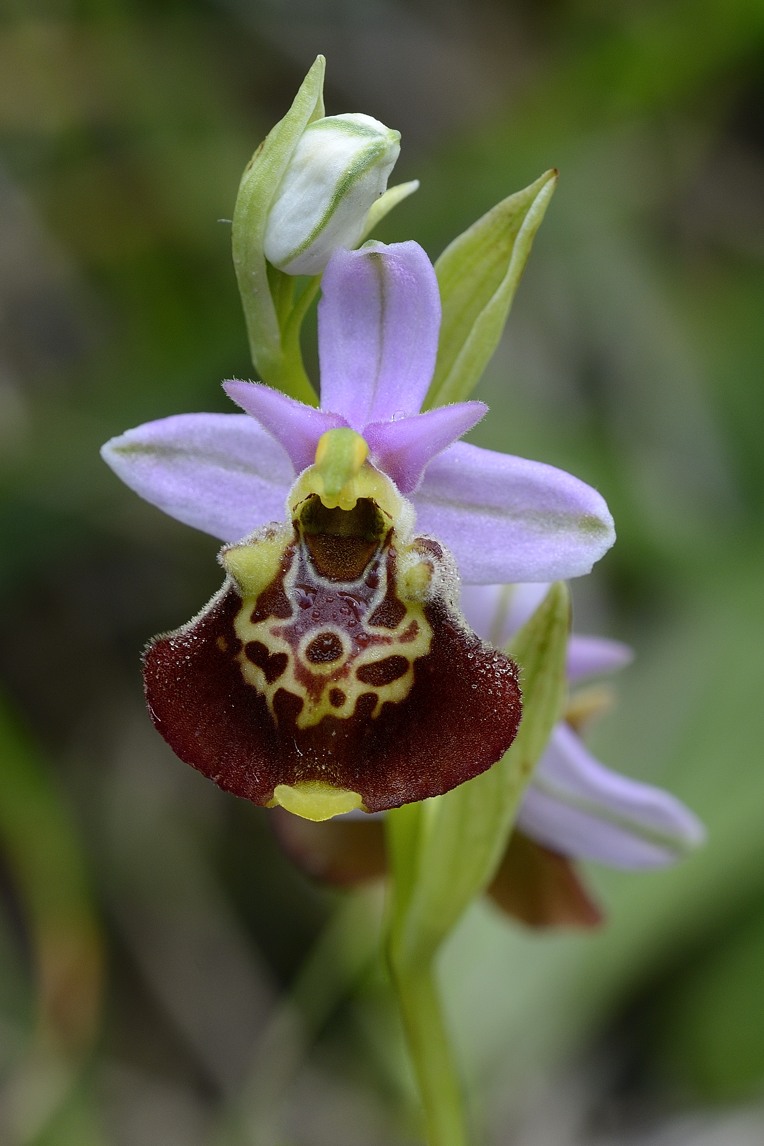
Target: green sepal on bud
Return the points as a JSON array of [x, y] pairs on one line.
[[267, 302], [478, 275]]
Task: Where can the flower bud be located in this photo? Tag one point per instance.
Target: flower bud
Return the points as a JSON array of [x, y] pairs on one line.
[[340, 166]]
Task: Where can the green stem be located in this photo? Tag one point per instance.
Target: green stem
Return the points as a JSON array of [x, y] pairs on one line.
[[279, 362], [291, 325], [431, 1053]]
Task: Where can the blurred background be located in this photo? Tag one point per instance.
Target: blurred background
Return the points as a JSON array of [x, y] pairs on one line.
[[166, 976]]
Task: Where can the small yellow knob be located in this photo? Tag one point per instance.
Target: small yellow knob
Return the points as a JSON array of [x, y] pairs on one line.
[[314, 800]]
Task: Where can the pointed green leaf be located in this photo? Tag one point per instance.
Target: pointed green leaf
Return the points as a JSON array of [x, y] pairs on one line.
[[478, 275], [445, 851], [257, 288]]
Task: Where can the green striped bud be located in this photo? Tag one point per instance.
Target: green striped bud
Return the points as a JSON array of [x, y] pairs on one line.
[[339, 167]]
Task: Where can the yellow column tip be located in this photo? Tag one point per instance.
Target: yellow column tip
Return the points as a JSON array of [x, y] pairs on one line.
[[340, 454]]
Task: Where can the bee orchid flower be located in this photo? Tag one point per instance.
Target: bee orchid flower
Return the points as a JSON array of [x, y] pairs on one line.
[[334, 670]]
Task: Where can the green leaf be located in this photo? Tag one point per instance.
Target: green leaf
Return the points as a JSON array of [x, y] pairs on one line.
[[478, 275], [540, 648], [260, 285], [445, 851]]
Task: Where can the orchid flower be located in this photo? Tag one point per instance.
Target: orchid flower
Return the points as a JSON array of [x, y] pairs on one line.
[[334, 670], [574, 808]]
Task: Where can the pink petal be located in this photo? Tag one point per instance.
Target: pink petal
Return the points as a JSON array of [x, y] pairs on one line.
[[404, 447], [295, 426], [593, 656], [579, 808]]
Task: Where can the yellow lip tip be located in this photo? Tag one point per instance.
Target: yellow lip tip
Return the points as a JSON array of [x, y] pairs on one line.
[[315, 800]]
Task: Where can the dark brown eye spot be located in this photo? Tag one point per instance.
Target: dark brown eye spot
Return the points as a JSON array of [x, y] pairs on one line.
[[411, 633], [383, 672], [272, 664], [324, 648], [336, 697], [389, 613]]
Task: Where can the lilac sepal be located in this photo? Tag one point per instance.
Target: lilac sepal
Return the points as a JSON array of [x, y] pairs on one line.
[[404, 447], [509, 519], [581, 809], [379, 319], [295, 426], [592, 656], [221, 473]]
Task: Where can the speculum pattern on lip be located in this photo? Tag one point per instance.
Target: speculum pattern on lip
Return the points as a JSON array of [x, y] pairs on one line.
[[355, 638]]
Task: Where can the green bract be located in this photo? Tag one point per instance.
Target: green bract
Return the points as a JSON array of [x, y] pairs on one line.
[[478, 275]]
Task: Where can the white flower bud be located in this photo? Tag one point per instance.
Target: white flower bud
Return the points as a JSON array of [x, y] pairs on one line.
[[340, 166]]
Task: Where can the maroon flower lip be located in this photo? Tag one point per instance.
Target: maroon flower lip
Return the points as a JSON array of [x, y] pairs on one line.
[[345, 671]]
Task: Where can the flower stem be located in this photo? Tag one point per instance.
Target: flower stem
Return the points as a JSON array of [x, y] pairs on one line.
[[431, 1052]]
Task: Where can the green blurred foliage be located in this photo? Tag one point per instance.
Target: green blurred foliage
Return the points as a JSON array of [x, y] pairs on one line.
[[236, 1003]]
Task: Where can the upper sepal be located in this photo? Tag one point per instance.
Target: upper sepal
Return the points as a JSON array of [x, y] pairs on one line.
[[378, 321]]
